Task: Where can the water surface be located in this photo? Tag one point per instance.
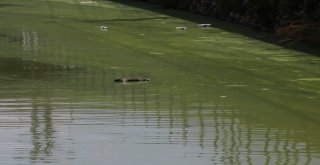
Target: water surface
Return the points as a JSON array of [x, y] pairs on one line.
[[215, 97]]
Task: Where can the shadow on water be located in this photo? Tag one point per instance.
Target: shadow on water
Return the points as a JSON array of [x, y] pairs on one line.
[[227, 26], [18, 67], [10, 38], [2, 5]]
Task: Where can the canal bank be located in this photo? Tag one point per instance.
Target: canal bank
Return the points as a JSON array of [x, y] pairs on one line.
[[292, 20]]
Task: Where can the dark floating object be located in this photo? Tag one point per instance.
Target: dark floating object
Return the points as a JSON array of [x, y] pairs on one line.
[[135, 79]]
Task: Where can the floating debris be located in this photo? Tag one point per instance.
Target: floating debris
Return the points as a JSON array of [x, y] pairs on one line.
[[131, 79], [181, 28], [88, 2], [156, 53], [104, 28], [204, 25], [285, 40]]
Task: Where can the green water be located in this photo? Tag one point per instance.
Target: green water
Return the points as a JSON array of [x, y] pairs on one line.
[[215, 96]]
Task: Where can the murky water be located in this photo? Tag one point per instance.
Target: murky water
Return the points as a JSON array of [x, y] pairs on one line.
[[89, 119], [215, 97]]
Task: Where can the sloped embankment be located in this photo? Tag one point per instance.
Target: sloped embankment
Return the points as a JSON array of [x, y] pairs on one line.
[[292, 20]]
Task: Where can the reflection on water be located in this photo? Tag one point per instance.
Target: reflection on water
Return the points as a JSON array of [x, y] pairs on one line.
[[41, 130], [30, 41], [87, 119]]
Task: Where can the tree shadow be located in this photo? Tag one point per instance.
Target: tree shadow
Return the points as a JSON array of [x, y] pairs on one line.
[[267, 37], [8, 5]]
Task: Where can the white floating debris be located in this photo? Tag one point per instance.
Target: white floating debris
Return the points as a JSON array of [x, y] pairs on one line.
[[104, 28], [204, 25], [181, 28], [156, 53], [88, 2]]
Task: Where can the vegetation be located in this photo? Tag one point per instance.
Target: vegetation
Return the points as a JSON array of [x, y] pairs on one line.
[[285, 16]]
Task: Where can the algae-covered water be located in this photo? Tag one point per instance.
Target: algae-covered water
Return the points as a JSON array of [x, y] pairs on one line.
[[216, 96]]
